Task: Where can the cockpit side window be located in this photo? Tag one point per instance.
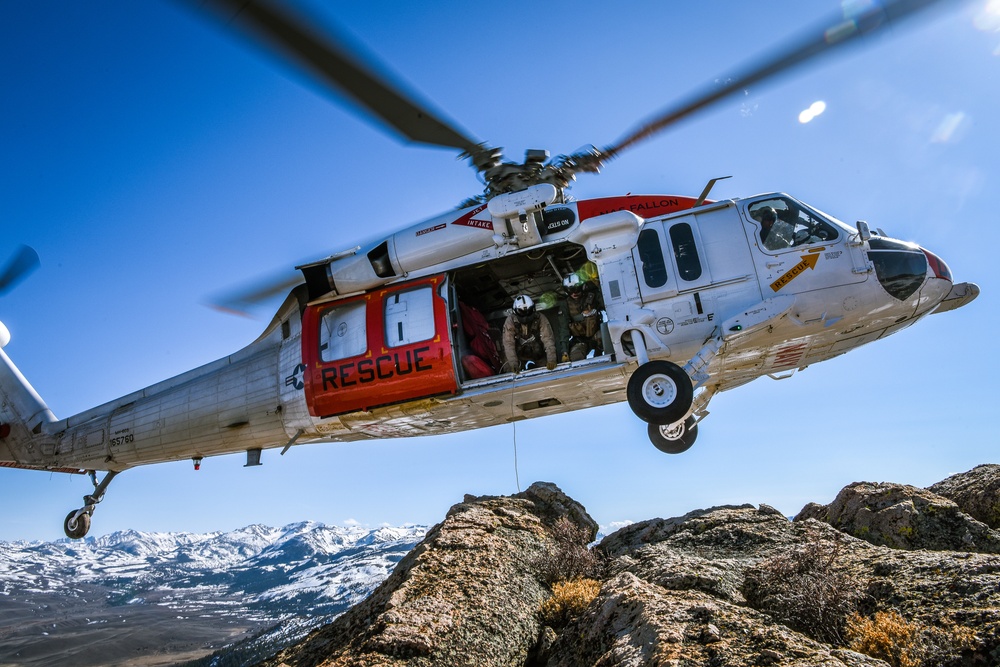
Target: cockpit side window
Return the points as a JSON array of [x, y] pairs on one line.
[[785, 223]]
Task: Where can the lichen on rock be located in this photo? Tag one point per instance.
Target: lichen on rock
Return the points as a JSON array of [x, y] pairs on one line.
[[903, 517], [976, 492]]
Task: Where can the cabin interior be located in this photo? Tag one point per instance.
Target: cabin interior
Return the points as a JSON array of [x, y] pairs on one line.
[[490, 288]]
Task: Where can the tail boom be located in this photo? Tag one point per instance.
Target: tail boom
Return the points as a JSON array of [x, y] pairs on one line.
[[23, 418]]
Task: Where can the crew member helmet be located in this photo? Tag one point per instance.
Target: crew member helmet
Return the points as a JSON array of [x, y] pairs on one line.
[[524, 307], [573, 284], [767, 214]]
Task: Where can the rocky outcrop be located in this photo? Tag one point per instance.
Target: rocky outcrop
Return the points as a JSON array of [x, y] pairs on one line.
[[903, 517], [675, 596], [733, 585], [467, 595], [976, 492], [679, 591], [635, 622]]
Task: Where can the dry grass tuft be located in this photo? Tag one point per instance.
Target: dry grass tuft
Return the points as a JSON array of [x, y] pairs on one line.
[[887, 636], [902, 643], [569, 600]]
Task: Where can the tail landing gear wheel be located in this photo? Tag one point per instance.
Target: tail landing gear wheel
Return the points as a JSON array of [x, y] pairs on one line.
[[77, 522], [674, 439], [660, 392], [76, 528]]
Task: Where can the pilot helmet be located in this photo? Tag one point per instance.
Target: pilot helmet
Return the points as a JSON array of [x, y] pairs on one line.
[[573, 284], [524, 307], [766, 214]]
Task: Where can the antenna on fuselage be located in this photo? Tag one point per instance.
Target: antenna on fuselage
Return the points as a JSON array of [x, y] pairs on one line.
[[708, 188]]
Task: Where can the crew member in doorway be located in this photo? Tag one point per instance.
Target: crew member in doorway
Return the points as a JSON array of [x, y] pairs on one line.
[[527, 337], [584, 309]]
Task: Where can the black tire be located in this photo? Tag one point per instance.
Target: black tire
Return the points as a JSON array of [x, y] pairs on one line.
[[674, 441], [660, 392], [76, 530]]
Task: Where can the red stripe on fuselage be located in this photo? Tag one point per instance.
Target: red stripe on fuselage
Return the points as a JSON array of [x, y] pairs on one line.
[[645, 206]]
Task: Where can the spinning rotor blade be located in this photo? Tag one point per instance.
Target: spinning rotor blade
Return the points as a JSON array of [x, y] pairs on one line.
[[875, 17], [244, 300], [336, 66], [25, 261]]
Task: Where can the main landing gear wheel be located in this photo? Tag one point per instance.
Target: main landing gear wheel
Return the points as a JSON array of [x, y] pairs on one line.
[[76, 527], [674, 439], [660, 392]]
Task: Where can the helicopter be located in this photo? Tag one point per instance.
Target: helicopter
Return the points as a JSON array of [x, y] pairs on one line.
[[372, 342]]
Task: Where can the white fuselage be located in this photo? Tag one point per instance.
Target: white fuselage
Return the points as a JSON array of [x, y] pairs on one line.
[[680, 280]]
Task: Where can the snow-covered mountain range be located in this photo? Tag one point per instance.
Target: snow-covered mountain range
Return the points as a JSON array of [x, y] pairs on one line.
[[248, 578]]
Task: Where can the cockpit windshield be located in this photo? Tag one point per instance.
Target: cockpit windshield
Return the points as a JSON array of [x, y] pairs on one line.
[[787, 223]]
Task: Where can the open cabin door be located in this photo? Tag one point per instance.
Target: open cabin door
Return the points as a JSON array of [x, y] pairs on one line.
[[387, 346]]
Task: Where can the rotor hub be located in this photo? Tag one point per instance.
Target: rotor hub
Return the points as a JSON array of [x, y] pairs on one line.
[[503, 177]]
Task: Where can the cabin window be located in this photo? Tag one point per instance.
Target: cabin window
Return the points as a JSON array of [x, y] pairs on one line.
[[685, 251], [409, 316], [654, 268], [343, 332]]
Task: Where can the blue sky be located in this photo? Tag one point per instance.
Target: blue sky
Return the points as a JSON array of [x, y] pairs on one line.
[[154, 161]]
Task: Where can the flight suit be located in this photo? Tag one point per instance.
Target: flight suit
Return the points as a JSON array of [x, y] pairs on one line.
[[532, 340], [584, 323]]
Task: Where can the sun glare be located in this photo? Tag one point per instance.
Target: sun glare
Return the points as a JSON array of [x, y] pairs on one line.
[[946, 130], [988, 20], [815, 109]]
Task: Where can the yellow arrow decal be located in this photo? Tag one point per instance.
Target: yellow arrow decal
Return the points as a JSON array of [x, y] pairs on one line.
[[808, 262]]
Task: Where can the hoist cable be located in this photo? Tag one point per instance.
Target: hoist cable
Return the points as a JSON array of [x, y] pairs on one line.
[[513, 425]]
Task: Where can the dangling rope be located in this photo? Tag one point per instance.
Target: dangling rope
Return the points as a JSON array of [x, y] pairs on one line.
[[513, 424]]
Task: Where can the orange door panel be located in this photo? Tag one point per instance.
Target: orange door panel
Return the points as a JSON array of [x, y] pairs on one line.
[[388, 346]]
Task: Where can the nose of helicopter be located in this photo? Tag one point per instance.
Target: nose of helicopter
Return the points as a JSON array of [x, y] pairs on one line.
[[951, 295], [937, 267], [938, 281]]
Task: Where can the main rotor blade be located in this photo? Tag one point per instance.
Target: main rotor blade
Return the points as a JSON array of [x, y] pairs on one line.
[[337, 66], [876, 17], [242, 301], [25, 261]]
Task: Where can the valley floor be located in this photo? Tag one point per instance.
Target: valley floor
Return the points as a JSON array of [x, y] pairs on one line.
[[82, 629]]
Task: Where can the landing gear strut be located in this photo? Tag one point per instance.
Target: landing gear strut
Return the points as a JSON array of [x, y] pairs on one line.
[[663, 394], [77, 522]]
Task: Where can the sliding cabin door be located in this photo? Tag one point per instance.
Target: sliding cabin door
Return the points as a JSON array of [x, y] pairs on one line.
[[388, 346]]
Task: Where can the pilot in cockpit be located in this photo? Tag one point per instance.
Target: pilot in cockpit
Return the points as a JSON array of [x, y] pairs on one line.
[[775, 234]]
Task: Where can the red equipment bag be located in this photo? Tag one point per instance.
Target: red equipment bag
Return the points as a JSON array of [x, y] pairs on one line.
[[480, 341]]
